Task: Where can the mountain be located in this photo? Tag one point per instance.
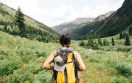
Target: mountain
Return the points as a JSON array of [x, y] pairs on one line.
[[33, 28], [69, 26], [86, 30], [103, 17], [89, 28], [117, 22], [79, 21]]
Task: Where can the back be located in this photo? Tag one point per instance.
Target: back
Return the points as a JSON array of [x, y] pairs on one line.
[[65, 67]]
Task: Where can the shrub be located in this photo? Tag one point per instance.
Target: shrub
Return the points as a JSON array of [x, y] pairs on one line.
[[92, 44], [124, 49], [8, 66], [21, 76], [42, 76], [118, 80], [124, 69], [40, 53], [81, 43]]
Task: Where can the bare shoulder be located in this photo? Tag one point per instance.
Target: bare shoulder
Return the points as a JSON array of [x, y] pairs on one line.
[[76, 54], [53, 53]]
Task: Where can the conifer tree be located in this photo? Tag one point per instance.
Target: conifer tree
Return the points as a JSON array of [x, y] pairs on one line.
[[121, 36], [130, 30], [113, 42], [19, 21], [127, 40]]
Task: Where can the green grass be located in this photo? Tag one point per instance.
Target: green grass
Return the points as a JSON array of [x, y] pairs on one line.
[[21, 60]]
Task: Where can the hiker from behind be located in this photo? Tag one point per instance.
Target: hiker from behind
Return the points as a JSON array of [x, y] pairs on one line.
[[67, 63]]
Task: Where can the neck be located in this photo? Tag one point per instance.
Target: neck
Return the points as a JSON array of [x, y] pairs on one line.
[[66, 46]]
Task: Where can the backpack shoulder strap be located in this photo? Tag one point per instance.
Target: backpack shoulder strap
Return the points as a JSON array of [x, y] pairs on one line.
[[72, 56], [75, 68]]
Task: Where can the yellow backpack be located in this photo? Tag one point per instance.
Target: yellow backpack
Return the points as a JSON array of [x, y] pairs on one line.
[[70, 73]]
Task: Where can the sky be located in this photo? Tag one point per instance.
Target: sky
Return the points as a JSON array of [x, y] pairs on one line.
[[54, 12]]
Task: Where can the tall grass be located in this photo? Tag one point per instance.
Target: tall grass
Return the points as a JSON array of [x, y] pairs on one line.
[[21, 60]]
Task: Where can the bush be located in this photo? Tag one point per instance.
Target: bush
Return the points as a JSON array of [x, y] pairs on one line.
[[8, 66], [42, 77], [118, 80], [40, 53], [81, 43], [124, 69], [124, 49], [92, 44], [21, 76]]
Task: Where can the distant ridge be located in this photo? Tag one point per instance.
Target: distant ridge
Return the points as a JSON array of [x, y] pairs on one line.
[[73, 28], [7, 16], [112, 25]]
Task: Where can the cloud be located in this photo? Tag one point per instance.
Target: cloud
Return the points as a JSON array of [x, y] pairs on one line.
[[64, 10], [112, 1]]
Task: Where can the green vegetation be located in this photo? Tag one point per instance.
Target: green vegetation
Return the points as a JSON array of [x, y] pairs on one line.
[[21, 61], [127, 41], [118, 22], [16, 23], [113, 42], [22, 54], [121, 36], [130, 29], [19, 21]]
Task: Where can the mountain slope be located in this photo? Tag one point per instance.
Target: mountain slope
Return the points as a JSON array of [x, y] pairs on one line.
[[74, 28], [89, 28], [67, 27], [85, 31], [114, 24], [117, 22], [7, 17]]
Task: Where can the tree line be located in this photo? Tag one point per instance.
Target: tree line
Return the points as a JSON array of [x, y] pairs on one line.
[[95, 43], [18, 27]]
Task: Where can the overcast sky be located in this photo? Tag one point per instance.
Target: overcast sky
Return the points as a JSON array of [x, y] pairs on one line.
[[54, 12]]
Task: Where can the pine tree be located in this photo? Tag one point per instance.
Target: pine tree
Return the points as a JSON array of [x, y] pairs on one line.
[[19, 21], [127, 40], [130, 30], [121, 36], [113, 42], [100, 41]]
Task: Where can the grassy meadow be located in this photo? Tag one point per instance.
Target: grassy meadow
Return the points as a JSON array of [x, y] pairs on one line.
[[21, 60]]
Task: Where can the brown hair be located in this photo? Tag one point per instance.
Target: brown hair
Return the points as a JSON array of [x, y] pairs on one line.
[[65, 40]]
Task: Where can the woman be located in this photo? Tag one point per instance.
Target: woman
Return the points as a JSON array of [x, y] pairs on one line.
[[61, 62]]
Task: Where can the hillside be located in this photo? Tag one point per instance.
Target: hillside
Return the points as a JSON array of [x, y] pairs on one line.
[[21, 60], [117, 22], [77, 23], [33, 27], [89, 28], [86, 30], [67, 27]]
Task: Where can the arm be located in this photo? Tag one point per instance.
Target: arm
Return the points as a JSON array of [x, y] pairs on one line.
[[81, 64], [46, 64]]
